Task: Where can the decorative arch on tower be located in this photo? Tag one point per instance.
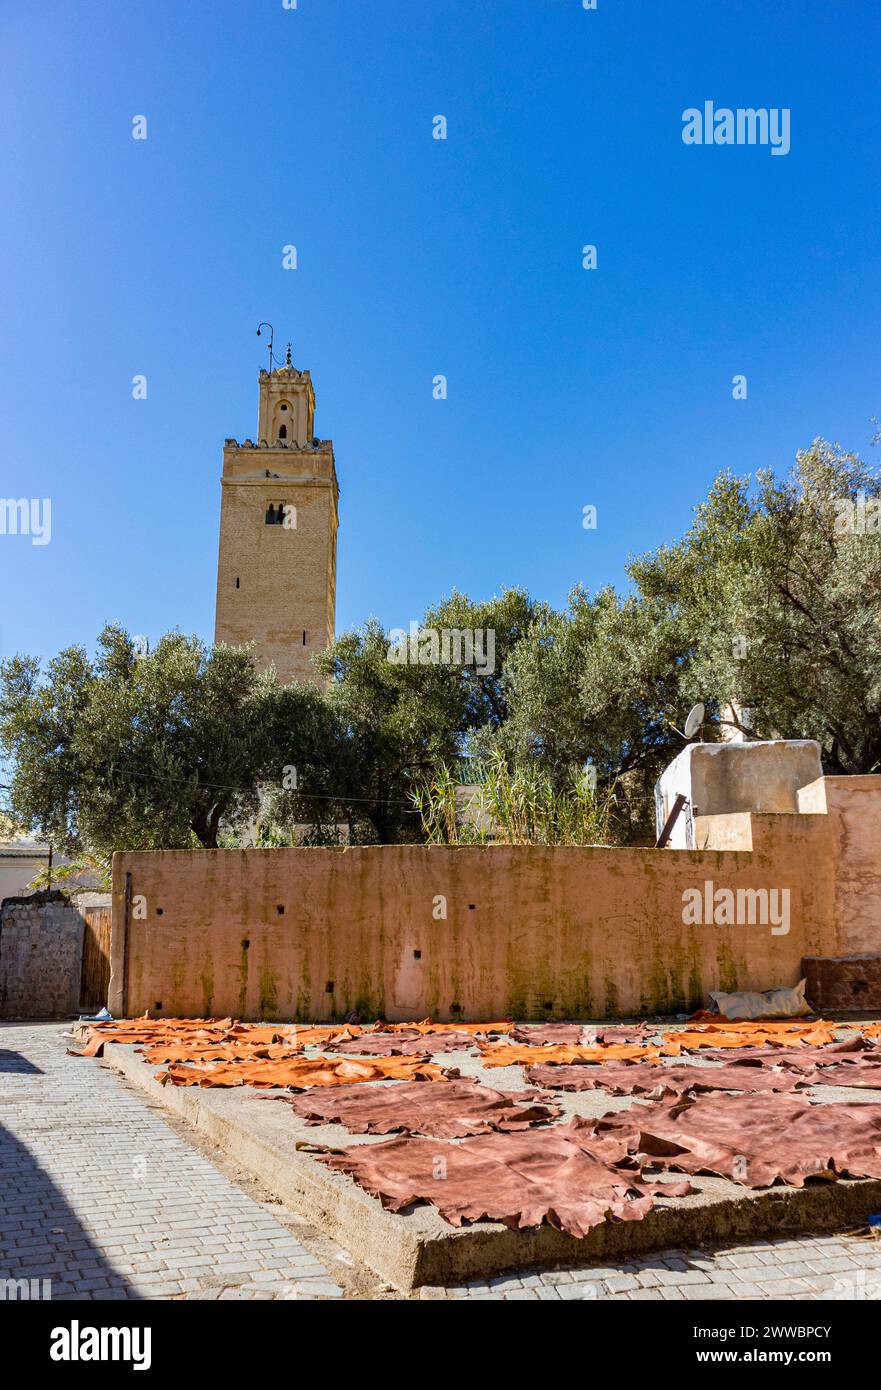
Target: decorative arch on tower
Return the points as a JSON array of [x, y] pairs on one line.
[[283, 428]]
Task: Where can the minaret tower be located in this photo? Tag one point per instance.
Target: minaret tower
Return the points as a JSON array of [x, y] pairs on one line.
[[276, 571]]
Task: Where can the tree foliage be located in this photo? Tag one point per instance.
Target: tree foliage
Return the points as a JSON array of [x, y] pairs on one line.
[[768, 610], [387, 725], [598, 684], [779, 587], [135, 752]]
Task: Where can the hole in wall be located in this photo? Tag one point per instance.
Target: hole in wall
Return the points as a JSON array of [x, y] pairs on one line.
[[245, 944], [159, 911], [237, 583], [158, 1004], [455, 1008], [280, 909], [417, 955], [471, 906], [329, 987]]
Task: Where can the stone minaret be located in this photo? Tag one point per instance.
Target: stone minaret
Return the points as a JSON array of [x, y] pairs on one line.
[[276, 571]]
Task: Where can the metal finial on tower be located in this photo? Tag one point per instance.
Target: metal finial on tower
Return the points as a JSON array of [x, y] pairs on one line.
[[273, 360], [271, 338]]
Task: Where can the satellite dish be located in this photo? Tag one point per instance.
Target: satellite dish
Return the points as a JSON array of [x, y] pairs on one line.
[[695, 720]]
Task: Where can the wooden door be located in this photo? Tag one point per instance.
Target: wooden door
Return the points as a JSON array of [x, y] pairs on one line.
[[95, 979]]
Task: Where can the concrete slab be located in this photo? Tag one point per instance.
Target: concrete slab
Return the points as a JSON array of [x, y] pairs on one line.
[[417, 1247]]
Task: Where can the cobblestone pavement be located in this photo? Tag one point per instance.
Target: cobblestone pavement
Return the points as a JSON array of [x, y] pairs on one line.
[[812, 1267], [108, 1196], [100, 1195]]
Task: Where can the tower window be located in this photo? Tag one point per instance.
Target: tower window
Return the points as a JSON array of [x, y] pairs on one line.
[[237, 582], [282, 406], [304, 638], [282, 431]]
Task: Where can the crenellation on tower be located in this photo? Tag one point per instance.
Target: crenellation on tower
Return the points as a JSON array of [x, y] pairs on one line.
[[287, 406], [276, 573]]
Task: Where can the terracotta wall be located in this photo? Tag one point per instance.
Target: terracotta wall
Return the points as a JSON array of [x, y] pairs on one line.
[[529, 932], [852, 806]]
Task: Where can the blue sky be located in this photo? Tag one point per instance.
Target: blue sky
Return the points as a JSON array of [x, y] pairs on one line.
[[567, 387]]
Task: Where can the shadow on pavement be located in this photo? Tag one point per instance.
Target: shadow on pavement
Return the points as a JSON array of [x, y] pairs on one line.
[[17, 1065], [42, 1238]]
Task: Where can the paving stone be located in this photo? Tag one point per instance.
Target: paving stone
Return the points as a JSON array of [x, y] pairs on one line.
[[833, 1265], [677, 1277], [577, 1291], [705, 1291], [620, 1283], [83, 1212], [795, 1269], [773, 1288]]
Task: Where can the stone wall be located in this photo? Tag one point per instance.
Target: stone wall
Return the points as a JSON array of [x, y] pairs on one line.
[[852, 806], [41, 949], [462, 933]]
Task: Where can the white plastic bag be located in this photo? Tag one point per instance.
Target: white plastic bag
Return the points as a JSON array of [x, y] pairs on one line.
[[773, 1003]]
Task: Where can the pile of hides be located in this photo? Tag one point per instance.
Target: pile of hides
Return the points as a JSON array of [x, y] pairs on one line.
[[520, 1180], [454, 1111], [300, 1072], [562, 1054], [402, 1043], [582, 1034], [755, 1140], [656, 1080]]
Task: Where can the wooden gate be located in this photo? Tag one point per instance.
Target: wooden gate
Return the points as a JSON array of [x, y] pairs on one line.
[[95, 979]]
